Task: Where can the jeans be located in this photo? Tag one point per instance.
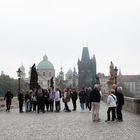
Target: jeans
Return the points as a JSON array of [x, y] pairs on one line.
[[82, 105]]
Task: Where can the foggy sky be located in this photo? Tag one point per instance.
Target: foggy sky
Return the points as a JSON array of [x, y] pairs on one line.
[[29, 29]]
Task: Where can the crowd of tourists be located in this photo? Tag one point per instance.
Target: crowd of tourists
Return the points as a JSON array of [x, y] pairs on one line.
[[50, 100]]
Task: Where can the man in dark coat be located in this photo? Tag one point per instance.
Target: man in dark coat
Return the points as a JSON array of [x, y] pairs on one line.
[[8, 97], [20, 99], [120, 103], [95, 98], [74, 98]]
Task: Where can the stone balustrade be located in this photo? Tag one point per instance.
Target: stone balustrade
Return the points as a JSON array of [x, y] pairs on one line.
[[132, 105], [3, 103]]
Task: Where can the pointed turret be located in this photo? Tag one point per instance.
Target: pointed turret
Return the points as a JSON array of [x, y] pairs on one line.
[[74, 72], [94, 64], [61, 74], [85, 55]]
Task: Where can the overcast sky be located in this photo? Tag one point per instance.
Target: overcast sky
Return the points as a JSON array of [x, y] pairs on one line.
[[29, 29]]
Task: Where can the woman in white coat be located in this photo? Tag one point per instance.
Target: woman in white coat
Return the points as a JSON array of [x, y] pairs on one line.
[[111, 102]]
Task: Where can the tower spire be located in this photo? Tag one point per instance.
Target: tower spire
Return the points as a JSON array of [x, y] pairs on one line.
[[87, 44], [85, 55]]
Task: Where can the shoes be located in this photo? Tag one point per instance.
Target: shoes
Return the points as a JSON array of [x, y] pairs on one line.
[[68, 111], [97, 120], [107, 120]]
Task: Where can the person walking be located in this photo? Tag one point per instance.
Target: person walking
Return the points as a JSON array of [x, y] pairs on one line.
[[95, 98], [120, 103], [8, 97], [111, 102]]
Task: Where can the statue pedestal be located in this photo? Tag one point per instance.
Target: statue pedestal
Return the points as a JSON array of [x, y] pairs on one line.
[[110, 83]]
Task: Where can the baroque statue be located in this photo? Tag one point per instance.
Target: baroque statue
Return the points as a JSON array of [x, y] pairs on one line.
[[111, 68]]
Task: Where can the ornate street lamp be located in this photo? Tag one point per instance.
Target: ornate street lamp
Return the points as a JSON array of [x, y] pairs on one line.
[[19, 76], [115, 74]]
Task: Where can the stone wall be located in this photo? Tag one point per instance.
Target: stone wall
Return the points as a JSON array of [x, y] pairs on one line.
[[3, 103], [130, 104]]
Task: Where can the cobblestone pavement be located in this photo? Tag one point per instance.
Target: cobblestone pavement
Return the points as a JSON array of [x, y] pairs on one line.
[[67, 126]]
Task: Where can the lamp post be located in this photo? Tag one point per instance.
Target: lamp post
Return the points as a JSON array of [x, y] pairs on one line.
[[19, 76], [115, 73], [48, 83]]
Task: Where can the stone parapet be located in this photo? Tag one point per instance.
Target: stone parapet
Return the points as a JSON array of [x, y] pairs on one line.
[[132, 105], [3, 103]]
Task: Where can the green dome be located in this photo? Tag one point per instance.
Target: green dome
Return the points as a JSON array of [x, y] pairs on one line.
[[45, 64], [69, 72]]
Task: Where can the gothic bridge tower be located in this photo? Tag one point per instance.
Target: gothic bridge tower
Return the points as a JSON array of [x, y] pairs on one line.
[[87, 69]]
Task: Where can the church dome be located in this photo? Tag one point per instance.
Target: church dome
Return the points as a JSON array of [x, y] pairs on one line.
[[69, 72], [22, 68], [45, 64]]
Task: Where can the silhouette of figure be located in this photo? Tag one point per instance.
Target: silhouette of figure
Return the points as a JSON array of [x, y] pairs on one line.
[[34, 78], [8, 97]]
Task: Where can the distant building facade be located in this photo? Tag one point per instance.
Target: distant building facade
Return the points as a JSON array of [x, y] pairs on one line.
[[103, 82], [132, 82], [71, 79], [46, 71], [60, 82], [86, 69]]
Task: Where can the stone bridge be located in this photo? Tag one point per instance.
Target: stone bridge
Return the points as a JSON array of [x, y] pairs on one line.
[[67, 126]]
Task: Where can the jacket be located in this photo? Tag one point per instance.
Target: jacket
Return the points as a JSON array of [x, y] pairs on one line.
[[111, 100], [95, 96]]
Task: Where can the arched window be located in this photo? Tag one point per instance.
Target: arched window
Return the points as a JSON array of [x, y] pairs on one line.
[[50, 74], [43, 73]]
